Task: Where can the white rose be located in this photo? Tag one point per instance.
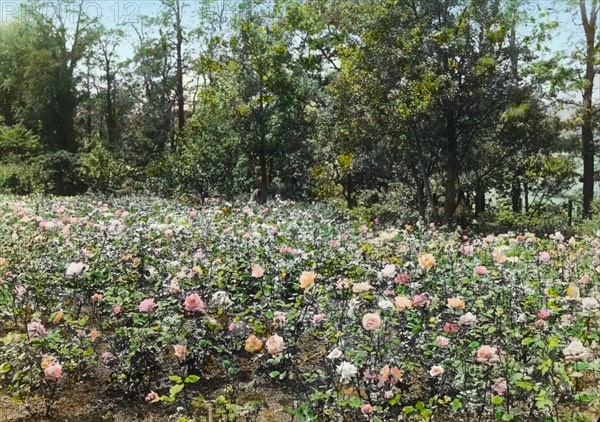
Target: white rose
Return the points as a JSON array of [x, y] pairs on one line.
[[334, 354], [346, 371], [75, 268], [589, 304]]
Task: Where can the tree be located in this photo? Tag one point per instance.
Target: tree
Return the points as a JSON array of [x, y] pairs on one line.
[[588, 21], [61, 48]]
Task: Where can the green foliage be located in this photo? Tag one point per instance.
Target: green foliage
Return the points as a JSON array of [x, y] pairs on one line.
[[547, 219], [20, 170], [17, 143], [61, 171], [102, 170]]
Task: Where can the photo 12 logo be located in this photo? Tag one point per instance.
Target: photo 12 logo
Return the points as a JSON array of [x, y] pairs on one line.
[[119, 12]]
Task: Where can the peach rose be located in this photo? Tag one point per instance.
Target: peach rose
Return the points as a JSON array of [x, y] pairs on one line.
[[456, 303], [307, 278], [371, 321]]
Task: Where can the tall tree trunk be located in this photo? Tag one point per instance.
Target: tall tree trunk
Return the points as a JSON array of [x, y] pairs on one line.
[[110, 113], [515, 195], [179, 76], [420, 192], [479, 199], [431, 215], [514, 70], [526, 192], [69, 135], [264, 176], [350, 190], [452, 168], [587, 134]]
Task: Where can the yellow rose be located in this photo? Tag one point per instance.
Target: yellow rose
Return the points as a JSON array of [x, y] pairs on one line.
[[307, 278], [426, 261], [253, 345]]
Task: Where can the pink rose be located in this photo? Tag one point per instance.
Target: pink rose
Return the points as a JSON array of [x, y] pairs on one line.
[[481, 270], [106, 357], [53, 372], [319, 318], [35, 329], [451, 328], [257, 271], [420, 301], [401, 278], [279, 320], [566, 319], [237, 328], [275, 345], [180, 351], [467, 319], [335, 354], [20, 291], [147, 305], [199, 254], [544, 313], [545, 257], [442, 341], [488, 355], [152, 396], [193, 303], [366, 409], [466, 250], [436, 371], [500, 386], [371, 321]]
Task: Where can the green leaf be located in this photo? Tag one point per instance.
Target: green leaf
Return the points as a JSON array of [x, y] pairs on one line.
[[553, 342], [408, 409], [526, 341], [274, 374], [455, 404], [192, 379], [175, 379], [355, 402], [426, 413], [497, 400], [175, 389], [474, 345]]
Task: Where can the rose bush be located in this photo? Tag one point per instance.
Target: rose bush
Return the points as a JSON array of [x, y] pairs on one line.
[[353, 320]]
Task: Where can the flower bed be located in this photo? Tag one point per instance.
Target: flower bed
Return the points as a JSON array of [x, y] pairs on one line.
[[190, 310]]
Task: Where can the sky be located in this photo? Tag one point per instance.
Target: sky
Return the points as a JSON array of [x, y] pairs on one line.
[[113, 13], [119, 12], [128, 13]]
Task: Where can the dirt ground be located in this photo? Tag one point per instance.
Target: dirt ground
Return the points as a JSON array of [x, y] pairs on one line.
[[88, 403]]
